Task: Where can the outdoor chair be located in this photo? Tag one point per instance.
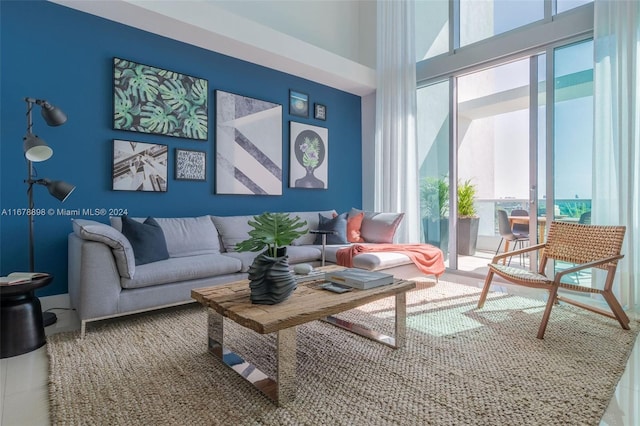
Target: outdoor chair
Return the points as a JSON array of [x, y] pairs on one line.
[[585, 246], [585, 218], [520, 228], [507, 234]]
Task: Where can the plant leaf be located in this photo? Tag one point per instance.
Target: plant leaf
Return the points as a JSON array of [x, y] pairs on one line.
[[272, 230]]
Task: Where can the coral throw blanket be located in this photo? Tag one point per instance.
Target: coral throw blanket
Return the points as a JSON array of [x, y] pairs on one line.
[[429, 259]]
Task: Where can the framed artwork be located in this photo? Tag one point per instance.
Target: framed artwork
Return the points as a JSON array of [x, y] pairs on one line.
[[139, 166], [308, 156], [248, 145], [319, 112], [152, 100], [298, 103], [190, 165]]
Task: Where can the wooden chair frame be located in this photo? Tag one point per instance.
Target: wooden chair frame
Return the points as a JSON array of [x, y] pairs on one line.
[[586, 246]]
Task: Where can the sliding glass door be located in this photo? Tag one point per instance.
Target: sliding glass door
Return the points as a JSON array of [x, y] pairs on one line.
[[433, 156], [521, 134], [492, 154]]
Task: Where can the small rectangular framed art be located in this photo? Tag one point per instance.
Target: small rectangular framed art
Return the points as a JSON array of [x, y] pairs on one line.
[[319, 112], [139, 166], [190, 165]]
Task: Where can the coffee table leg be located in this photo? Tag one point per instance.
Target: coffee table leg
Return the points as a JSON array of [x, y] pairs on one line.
[[287, 361], [216, 333], [401, 319], [281, 390], [400, 326]]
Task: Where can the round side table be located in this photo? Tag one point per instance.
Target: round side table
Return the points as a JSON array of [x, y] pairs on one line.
[[324, 239], [21, 327]]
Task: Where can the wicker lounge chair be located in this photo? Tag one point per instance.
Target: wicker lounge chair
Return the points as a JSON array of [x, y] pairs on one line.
[[586, 246]]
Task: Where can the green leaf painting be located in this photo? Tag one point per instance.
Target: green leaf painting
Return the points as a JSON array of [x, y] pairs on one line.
[[152, 100]]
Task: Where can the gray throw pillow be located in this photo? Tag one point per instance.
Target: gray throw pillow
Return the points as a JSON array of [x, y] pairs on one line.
[[146, 238], [337, 224]]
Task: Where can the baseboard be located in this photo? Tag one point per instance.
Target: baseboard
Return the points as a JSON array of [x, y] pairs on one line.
[[62, 301]]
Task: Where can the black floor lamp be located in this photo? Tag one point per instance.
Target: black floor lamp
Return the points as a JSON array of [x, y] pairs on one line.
[[36, 150]]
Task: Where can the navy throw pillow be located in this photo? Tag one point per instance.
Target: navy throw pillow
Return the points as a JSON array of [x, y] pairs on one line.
[[338, 224], [146, 238]]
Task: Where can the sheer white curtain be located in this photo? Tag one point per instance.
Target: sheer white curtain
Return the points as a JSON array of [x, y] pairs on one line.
[[396, 164], [616, 186]]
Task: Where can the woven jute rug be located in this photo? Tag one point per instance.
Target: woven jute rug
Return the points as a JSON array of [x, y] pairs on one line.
[[460, 366]]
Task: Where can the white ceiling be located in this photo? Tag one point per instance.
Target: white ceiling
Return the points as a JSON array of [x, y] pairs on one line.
[[206, 25]]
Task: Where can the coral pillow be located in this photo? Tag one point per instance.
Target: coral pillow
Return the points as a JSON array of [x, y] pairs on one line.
[[354, 223]]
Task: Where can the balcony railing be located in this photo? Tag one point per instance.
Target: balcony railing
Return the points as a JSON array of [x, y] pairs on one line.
[[563, 208]]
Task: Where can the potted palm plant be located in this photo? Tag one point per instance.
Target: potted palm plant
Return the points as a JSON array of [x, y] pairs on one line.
[[468, 221], [434, 203], [271, 281]]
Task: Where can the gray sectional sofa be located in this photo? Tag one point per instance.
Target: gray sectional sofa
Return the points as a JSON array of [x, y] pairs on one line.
[[105, 282]]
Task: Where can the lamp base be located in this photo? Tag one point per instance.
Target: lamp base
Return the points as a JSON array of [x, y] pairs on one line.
[[49, 318]]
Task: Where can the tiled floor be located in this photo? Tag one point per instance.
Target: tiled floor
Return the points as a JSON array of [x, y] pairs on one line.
[[24, 396]]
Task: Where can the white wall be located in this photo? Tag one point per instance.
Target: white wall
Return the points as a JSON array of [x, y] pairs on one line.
[[205, 24], [343, 27]]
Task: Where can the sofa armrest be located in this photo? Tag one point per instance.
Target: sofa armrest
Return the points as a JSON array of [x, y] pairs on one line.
[[122, 251], [94, 281]]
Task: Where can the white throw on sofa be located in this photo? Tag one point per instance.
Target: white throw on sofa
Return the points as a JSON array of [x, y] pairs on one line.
[[104, 280]]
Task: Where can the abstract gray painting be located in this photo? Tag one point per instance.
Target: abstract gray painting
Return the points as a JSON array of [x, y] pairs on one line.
[[248, 145]]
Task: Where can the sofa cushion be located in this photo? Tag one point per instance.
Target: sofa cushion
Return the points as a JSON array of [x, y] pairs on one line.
[[185, 236], [119, 244], [296, 254], [235, 229], [146, 238], [337, 224], [378, 227], [302, 254], [380, 260], [232, 230], [373, 261], [330, 252], [178, 269]]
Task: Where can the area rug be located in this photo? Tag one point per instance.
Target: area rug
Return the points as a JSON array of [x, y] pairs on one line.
[[460, 366]]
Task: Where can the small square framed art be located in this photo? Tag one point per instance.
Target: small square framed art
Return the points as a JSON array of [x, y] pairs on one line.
[[298, 103], [190, 165]]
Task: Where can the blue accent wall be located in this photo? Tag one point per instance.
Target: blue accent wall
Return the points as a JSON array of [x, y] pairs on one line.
[[55, 53]]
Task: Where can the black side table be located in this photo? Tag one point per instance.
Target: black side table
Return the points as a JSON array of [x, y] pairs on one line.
[[21, 327]]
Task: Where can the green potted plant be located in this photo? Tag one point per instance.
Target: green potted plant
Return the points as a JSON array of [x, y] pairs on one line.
[[271, 281], [434, 204], [468, 221]]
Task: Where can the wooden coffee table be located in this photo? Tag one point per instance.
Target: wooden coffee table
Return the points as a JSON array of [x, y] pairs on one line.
[[308, 303]]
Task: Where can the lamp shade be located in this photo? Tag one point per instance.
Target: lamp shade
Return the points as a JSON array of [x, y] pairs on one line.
[[36, 149], [52, 115], [59, 189]]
